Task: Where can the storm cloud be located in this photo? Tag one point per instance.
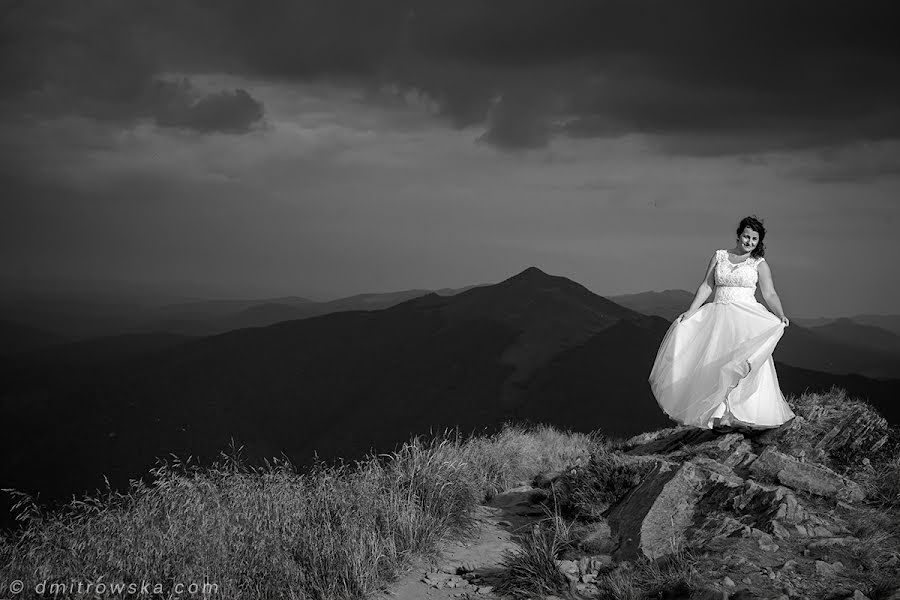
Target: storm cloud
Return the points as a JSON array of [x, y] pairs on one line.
[[100, 60], [705, 77]]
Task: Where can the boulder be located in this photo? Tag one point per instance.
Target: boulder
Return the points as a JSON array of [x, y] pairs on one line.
[[669, 440], [809, 477], [599, 540], [653, 517], [522, 500], [827, 569], [649, 436], [569, 568]]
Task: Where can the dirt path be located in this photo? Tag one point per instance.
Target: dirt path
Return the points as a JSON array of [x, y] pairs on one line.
[[469, 569]]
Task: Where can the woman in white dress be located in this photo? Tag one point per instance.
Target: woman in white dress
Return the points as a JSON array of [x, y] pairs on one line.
[[714, 367]]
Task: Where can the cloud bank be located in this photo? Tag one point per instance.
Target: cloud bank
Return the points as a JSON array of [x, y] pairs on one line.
[[704, 77]]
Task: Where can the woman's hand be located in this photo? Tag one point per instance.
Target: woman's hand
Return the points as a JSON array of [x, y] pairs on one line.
[[685, 315], [785, 321]]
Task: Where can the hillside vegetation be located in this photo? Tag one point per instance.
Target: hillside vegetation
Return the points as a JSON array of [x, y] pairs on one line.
[[811, 510], [331, 531]]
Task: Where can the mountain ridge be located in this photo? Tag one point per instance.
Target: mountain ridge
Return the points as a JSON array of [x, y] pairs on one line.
[[532, 347]]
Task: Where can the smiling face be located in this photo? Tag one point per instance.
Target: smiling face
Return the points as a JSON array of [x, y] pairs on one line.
[[748, 240]]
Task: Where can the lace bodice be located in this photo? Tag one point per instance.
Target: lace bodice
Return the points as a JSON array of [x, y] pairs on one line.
[[735, 282]]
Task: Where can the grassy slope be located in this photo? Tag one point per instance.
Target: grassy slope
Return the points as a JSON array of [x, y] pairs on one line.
[[346, 531]]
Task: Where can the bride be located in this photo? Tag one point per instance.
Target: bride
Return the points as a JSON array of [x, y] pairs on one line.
[[714, 367]]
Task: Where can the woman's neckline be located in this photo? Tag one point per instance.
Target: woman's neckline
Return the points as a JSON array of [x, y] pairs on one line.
[[728, 252]]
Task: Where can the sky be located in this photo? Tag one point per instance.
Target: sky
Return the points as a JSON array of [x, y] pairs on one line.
[[324, 148]]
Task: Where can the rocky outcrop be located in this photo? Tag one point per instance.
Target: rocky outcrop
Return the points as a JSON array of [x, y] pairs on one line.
[[860, 429], [684, 512], [826, 429], [694, 502], [707, 486]]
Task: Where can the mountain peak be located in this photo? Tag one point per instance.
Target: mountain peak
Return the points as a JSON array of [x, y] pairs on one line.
[[531, 273]]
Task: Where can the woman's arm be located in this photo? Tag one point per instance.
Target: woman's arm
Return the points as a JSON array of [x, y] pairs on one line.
[[767, 287], [703, 290]]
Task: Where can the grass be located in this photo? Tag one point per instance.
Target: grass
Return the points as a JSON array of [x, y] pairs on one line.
[[676, 575], [269, 531], [533, 570], [587, 492], [882, 483]]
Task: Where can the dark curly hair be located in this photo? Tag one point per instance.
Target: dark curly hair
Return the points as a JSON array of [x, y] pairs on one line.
[[756, 224]]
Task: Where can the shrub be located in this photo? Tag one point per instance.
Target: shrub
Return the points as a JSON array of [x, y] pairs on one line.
[[533, 568], [586, 493]]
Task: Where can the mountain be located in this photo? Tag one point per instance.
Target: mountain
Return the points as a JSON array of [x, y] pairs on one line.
[[838, 346], [16, 338], [216, 317], [99, 352], [337, 384], [73, 315], [813, 349], [78, 318], [889, 323], [534, 347], [667, 304], [849, 331]]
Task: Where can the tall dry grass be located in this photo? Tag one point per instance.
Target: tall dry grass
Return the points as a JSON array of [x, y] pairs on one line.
[[531, 571], [270, 531]]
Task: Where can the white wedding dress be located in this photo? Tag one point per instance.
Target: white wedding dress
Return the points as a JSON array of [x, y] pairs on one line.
[[715, 367]]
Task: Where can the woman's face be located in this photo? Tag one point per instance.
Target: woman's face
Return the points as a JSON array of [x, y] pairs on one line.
[[748, 239]]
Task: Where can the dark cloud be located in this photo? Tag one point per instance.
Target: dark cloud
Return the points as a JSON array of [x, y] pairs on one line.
[[97, 59], [705, 76], [513, 124], [852, 163], [231, 112]]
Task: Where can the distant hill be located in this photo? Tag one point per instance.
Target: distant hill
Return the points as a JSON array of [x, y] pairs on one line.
[[838, 346], [889, 323], [74, 318], [849, 331], [215, 317], [16, 338], [667, 304], [532, 347], [74, 358]]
